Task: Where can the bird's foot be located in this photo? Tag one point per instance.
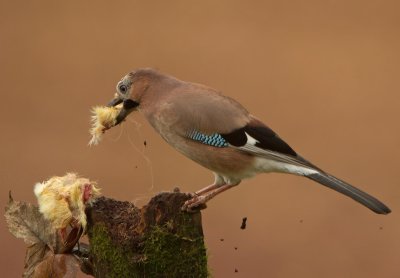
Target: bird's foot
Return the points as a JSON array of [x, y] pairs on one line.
[[192, 195], [195, 204], [200, 198]]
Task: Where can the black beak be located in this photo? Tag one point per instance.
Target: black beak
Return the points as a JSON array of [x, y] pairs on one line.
[[114, 102], [128, 106]]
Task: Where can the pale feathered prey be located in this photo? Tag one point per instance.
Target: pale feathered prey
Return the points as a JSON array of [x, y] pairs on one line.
[[218, 133]]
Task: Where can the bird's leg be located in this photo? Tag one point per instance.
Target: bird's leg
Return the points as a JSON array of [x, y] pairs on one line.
[[198, 201], [207, 189], [219, 181], [197, 194], [205, 194], [194, 196]]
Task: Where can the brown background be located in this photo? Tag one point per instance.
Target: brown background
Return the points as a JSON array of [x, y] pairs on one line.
[[323, 74]]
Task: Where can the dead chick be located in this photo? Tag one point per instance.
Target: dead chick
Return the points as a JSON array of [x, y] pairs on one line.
[[103, 118], [62, 200]]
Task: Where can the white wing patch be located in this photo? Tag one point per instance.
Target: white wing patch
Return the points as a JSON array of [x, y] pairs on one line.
[[275, 161], [251, 140], [269, 165]]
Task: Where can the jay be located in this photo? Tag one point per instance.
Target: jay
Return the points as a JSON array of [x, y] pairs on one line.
[[220, 134]]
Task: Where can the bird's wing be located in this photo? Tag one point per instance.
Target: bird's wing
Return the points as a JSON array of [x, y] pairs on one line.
[[258, 139], [199, 108], [210, 118], [204, 115]]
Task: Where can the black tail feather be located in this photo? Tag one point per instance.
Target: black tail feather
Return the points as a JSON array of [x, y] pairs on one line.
[[350, 191]]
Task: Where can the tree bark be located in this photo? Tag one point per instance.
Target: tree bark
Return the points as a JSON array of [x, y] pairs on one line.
[[158, 240]]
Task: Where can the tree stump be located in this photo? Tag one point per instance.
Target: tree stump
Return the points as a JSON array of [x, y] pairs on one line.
[[158, 240]]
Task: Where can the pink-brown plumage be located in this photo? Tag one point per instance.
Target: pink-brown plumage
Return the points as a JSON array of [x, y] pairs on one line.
[[219, 134]]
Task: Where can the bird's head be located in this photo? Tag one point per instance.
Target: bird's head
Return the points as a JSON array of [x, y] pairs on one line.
[[130, 91]]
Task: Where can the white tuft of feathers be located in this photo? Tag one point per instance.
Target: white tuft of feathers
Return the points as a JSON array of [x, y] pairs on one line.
[[63, 200], [103, 118]]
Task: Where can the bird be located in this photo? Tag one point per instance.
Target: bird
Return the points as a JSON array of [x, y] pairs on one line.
[[218, 133]]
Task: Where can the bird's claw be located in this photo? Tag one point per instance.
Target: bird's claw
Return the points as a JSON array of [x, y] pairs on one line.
[[195, 204], [191, 195]]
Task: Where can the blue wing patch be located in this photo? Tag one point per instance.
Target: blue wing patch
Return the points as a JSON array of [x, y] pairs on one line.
[[215, 140]]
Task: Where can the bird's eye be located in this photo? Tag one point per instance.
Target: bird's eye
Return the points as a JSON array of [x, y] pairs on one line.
[[123, 88]]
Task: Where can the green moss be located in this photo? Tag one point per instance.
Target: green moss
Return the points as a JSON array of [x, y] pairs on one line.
[[173, 255], [186, 226], [108, 254], [175, 249]]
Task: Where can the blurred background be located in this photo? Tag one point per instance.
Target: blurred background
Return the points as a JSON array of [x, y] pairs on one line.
[[323, 74]]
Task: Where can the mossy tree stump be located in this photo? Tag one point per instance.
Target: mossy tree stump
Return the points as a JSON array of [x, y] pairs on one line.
[[158, 240]]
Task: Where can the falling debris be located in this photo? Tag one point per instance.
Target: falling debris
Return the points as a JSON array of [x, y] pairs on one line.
[[62, 200], [221, 239], [236, 270], [380, 228], [236, 248], [243, 226], [301, 221], [145, 143], [103, 118]]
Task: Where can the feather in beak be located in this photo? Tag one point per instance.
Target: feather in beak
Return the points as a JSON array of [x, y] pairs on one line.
[[103, 118]]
